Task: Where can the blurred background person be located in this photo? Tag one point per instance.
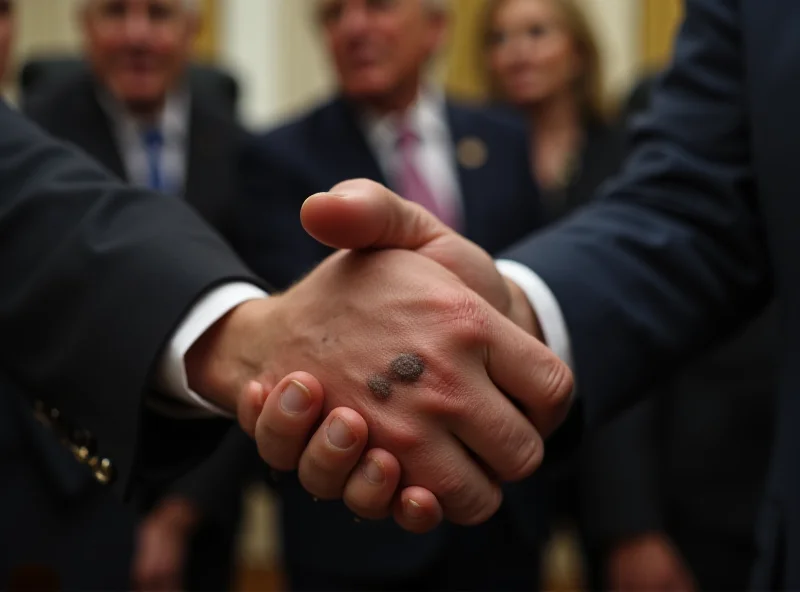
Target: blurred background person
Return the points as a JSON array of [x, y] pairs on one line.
[[543, 60], [467, 166], [387, 123], [640, 492], [136, 110]]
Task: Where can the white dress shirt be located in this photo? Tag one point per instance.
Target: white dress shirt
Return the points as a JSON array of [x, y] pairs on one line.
[[434, 156], [174, 126]]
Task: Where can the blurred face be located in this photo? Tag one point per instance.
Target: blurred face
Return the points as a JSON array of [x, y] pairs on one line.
[[6, 34], [380, 47], [531, 55], [139, 48]]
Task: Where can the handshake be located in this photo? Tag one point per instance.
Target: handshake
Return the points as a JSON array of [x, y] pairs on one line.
[[411, 346]]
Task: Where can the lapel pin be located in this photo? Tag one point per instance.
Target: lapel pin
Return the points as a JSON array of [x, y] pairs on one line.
[[472, 153]]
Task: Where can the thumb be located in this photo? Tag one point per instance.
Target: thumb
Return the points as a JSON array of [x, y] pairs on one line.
[[362, 214]]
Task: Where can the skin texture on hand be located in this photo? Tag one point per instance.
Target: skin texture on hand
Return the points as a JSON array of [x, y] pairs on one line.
[[357, 312], [648, 562], [404, 347], [293, 438]]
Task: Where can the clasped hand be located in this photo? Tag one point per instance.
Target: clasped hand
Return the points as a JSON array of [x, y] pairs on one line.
[[412, 347]]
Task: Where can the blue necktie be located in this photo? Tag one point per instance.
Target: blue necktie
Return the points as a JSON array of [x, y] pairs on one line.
[[154, 143]]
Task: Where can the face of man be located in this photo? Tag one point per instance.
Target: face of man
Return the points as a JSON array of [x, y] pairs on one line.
[[6, 34], [139, 49], [380, 47]]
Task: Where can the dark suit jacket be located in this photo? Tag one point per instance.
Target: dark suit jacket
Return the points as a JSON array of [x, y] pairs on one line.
[[326, 146], [72, 112], [691, 460], [696, 235], [87, 348], [311, 155]]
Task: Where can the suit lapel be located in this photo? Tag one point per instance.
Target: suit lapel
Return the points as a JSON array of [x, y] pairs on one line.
[[92, 130], [211, 152], [473, 182], [357, 160]]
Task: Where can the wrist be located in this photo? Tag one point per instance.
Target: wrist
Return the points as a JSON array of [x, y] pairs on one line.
[[230, 353], [521, 312]]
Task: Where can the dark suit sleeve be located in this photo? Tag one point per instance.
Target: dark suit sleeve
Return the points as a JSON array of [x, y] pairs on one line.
[[97, 277], [674, 256], [268, 233], [216, 486], [619, 480]]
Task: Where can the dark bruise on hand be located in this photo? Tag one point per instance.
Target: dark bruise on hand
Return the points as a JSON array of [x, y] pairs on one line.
[[380, 387], [407, 367]]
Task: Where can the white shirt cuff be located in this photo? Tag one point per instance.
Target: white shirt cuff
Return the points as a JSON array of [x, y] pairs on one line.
[[171, 378], [544, 304]]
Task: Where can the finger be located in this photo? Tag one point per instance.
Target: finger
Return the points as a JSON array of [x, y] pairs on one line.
[[372, 485], [464, 490], [251, 404], [333, 453], [527, 370], [287, 420], [499, 434], [417, 510], [362, 214]]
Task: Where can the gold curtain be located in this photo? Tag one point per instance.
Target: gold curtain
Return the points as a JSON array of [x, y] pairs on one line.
[[660, 20], [463, 64], [206, 44]]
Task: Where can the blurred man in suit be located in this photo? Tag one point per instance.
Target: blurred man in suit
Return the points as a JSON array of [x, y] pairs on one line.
[[137, 112], [468, 167], [388, 124]]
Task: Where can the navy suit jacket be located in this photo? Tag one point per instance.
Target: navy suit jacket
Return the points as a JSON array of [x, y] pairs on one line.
[[310, 155], [696, 234]]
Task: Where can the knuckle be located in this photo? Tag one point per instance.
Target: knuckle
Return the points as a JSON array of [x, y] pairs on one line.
[[470, 317], [403, 439], [449, 397], [521, 448], [463, 313], [482, 509], [558, 384], [526, 459], [453, 490]]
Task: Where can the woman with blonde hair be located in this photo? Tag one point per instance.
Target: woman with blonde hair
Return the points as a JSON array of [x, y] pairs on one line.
[[542, 58]]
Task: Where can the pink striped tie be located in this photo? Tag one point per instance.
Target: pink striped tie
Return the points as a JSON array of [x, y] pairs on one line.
[[411, 183]]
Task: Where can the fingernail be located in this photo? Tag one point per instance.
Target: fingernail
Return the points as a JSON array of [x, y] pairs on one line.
[[340, 435], [413, 509], [295, 398], [373, 471]]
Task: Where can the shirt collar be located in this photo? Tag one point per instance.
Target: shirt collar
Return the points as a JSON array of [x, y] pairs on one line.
[[173, 120], [427, 117]]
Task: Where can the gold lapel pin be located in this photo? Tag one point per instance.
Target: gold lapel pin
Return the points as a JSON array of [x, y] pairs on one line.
[[472, 153]]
